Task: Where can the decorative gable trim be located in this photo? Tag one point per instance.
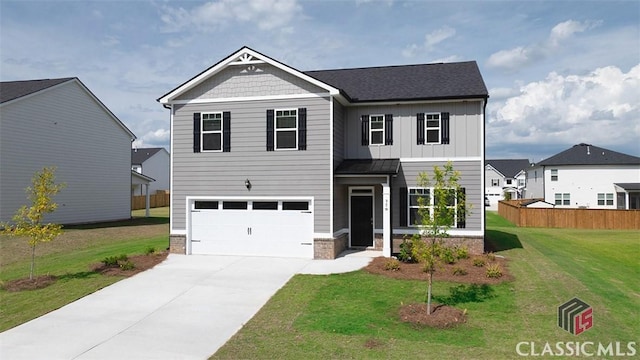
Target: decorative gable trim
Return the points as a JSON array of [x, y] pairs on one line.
[[246, 57]]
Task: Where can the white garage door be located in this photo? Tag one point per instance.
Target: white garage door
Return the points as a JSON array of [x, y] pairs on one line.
[[281, 228]]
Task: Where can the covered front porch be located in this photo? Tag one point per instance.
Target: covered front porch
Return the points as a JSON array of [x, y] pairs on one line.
[[363, 203]]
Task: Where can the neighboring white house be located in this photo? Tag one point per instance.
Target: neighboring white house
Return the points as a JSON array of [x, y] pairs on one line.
[[59, 122], [505, 175], [153, 163], [587, 176]]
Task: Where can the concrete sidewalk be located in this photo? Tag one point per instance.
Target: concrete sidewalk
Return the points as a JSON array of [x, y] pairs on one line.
[[184, 308]]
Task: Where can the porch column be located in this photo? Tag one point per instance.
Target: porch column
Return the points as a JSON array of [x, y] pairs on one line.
[[386, 219], [147, 200]]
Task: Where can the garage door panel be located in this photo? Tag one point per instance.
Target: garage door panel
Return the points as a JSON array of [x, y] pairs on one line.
[[265, 232]]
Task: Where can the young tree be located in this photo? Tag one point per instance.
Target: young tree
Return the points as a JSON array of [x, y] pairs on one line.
[[437, 212], [28, 221]]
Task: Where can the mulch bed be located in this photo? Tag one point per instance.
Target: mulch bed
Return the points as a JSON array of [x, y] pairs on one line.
[[140, 262], [37, 282], [442, 316]]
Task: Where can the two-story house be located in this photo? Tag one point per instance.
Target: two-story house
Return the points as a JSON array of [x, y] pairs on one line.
[[505, 176], [153, 163], [270, 160], [587, 176]]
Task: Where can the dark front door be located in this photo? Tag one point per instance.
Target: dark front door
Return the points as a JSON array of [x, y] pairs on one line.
[[361, 221]]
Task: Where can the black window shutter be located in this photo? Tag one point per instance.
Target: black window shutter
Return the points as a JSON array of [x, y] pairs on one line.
[[444, 119], [196, 132], [388, 129], [420, 126], [302, 129], [403, 206], [462, 196], [270, 132], [226, 131], [365, 130]]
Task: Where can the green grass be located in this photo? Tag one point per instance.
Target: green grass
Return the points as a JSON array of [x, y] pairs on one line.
[[70, 258], [354, 315]]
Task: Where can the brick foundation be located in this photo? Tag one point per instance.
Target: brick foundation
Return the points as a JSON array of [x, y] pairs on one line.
[[329, 248], [474, 244], [178, 244]]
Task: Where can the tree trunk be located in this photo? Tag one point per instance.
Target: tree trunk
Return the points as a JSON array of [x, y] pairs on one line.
[[33, 260], [429, 293]]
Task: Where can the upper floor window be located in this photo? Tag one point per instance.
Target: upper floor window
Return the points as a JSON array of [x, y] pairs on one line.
[[377, 129], [287, 129], [554, 174], [212, 132], [521, 182], [509, 181], [137, 168], [563, 199], [605, 199], [433, 128], [495, 182]]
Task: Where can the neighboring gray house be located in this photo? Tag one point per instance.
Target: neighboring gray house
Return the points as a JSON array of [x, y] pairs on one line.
[[269, 160], [153, 163], [505, 176], [587, 176], [59, 122]]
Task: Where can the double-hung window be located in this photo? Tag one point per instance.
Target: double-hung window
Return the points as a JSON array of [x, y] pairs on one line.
[[495, 182], [554, 174], [428, 198], [211, 131], [562, 199], [432, 128], [605, 199], [414, 203], [376, 123], [286, 129]]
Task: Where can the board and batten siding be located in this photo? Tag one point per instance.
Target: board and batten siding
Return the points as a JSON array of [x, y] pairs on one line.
[[465, 125], [241, 81], [66, 128], [271, 173], [470, 179]]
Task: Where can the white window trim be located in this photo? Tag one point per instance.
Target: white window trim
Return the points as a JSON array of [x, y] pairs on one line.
[[203, 132], [275, 129], [372, 130], [554, 172], [562, 199], [606, 197], [431, 198], [426, 128]]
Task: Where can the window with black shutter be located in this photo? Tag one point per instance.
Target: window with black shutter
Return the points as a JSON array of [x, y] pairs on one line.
[[287, 129], [365, 129], [196, 132]]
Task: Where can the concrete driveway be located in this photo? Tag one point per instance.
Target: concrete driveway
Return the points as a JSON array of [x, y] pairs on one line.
[[184, 308]]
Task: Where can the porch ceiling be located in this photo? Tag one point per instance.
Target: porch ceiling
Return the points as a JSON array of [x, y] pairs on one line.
[[368, 166]]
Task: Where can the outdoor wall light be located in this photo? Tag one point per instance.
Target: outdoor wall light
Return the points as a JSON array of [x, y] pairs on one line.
[[247, 183]]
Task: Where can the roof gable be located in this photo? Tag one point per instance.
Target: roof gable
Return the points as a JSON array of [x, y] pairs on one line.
[[243, 57], [140, 155], [407, 82], [12, 90], [587, 154], [509, 167]]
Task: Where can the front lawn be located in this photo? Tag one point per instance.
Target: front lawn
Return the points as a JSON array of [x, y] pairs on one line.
[[355, 315], [69, 258]]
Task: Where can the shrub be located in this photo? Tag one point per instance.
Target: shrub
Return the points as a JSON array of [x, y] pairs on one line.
[[126, 265], [392, 265], [462, 252], [447, 255], [406, 249], [491, 256], [494, 271], [459, 271], [114, 260], [150, 250], [479, 262]]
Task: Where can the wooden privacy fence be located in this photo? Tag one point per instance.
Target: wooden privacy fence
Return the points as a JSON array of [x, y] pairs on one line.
[[569, 218], [159, 199]]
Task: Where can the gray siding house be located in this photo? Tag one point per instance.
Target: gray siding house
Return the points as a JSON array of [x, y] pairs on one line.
[[269, 160], [153, 163], [59, 122]]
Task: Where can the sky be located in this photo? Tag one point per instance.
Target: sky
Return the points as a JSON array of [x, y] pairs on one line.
[[559, 73]]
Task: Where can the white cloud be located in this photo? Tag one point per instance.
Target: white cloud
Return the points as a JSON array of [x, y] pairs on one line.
[[153, 138], [520, 56], [266, 14], [600, 108], [437, 36]]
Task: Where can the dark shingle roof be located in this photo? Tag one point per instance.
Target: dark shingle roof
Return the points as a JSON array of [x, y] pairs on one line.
[[368, 166], [586, 154], [11, 90], [138, 156], [509, 167], [629, 186], [407, 82]]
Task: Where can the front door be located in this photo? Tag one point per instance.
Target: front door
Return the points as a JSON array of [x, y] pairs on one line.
[[361, 219]]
